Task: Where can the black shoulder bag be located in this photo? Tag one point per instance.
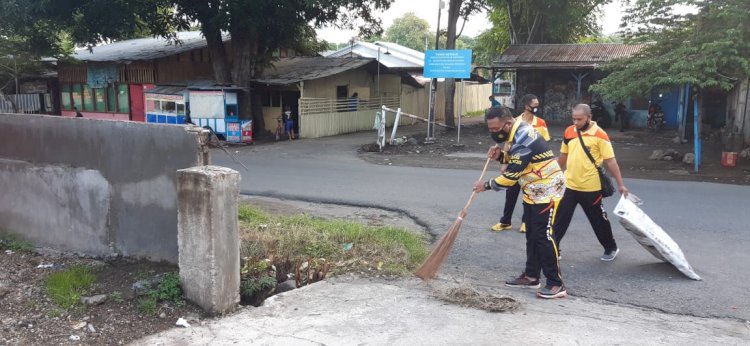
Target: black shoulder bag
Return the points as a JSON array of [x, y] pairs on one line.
[[608, 189]]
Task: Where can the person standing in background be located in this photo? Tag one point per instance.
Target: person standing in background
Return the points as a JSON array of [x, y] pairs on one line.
[[531, 109], [494, 102], [286, 118]]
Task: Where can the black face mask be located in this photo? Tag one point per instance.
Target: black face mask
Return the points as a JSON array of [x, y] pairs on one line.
[[585, 126], [534, 110], [499, 137]]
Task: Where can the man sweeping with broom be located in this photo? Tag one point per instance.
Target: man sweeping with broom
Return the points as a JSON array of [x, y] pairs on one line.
[[532, 166]]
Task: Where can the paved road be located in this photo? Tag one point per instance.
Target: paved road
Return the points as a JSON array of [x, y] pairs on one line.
[[711, 222]]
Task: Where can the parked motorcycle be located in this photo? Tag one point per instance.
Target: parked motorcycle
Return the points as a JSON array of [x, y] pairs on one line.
[[655, 116]]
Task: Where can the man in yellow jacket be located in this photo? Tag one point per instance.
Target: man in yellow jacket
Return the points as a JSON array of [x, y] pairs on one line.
[[531, 165], [582, 178]]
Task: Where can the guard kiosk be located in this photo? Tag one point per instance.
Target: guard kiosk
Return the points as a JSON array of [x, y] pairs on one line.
[[218, 108], [215, 107]]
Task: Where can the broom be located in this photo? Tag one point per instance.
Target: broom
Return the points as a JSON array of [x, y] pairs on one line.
[[429, 268]]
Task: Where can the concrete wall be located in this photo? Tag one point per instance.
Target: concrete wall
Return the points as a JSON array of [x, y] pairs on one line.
[[556, 90], [94, 186], [30, 205], [360, 81]]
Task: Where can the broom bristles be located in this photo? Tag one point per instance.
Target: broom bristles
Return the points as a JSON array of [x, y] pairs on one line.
[[432, 264]]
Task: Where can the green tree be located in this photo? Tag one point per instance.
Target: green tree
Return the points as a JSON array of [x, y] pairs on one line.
[[410, 31], [494, 40], [600, 39], [259, 28], [709, 48], [550, 21], [465, 42], [15, 63], [457, 9], [45, 25], [536, 21]]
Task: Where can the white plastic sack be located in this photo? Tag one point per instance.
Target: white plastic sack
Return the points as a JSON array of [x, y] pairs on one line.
[[651, 236]]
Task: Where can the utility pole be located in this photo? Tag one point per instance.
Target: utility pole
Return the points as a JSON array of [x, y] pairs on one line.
[[433, 86]]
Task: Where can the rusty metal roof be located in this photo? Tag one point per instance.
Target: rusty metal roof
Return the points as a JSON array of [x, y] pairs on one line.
[[564, 56], [293, 70], [166, 90]]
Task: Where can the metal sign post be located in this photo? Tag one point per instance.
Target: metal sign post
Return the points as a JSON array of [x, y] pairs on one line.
[[696, 134], [431, 113], [452, 63], [460, 112]]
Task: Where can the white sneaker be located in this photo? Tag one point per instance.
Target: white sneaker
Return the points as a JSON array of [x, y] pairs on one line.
[[610, 256]]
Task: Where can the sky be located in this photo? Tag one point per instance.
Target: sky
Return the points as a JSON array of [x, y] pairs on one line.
[[428, 10]]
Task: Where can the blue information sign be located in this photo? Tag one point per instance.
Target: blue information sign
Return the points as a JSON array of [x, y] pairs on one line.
[[447, 63]]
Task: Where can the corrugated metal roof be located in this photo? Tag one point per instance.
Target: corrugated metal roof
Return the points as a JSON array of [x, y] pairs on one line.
[[392, 55], [294, 70], [179, 88], [551, 56], [167, 90], [143, 48]]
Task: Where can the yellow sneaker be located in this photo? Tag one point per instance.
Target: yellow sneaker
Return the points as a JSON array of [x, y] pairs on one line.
[[523, 228], [498, 227]]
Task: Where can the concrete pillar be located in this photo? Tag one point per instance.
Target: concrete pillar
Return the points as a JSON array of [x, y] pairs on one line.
[[202, 136], [208, 237]]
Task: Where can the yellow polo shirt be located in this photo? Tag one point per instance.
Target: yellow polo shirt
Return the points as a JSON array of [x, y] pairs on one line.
[[581, 174], [539, 125]]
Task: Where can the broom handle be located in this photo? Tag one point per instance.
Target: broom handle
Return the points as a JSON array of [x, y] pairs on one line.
[[474, 193]]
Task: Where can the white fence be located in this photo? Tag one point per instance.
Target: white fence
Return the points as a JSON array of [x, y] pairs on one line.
[[25, 103], [320, 117]]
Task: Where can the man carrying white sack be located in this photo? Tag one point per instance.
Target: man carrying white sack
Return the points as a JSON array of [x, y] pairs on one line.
[[586, 147]]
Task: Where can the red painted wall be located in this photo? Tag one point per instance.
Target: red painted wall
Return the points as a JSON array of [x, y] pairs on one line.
[[137, 110]]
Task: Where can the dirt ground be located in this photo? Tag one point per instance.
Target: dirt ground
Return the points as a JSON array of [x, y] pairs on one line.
[[632, 148], [29, 317]]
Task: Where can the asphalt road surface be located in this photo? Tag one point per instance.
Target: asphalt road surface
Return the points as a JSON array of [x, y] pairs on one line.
[[710, 222]]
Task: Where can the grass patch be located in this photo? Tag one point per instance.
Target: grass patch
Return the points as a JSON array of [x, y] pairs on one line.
[[55, 313], [167, 290], [13, 243], [346, 245], [65, 287], [144, 274], [473, 114], [117, 297], [148, 305]]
